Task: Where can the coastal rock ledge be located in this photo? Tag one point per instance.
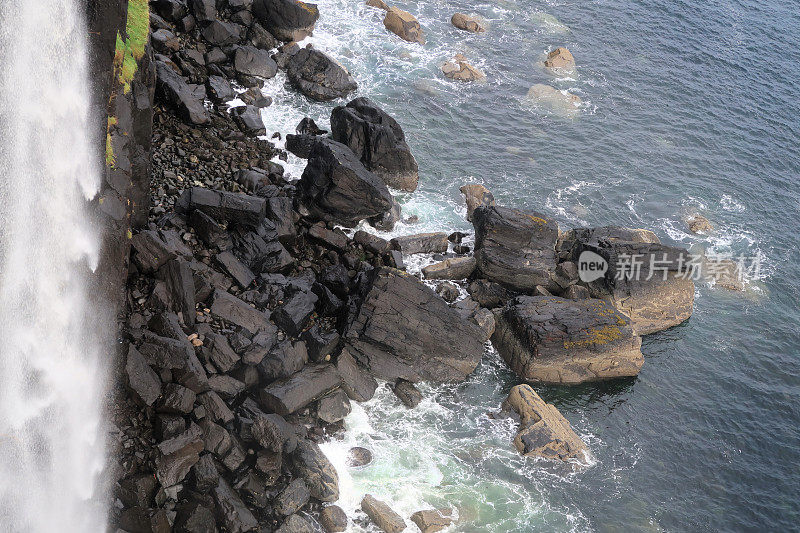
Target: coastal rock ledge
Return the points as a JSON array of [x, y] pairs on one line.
[[547, 339]]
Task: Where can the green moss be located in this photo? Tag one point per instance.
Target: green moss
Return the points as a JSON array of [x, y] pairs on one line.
[[130, 50], [110, 158]]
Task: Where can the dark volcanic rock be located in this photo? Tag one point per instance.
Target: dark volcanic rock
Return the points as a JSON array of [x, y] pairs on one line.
[[195, 518], [180, 284], [251, 61], [230, 308], [293, 316], [421, 243], [174, 89], [235, 208], [407, 392], [209, 231], [172, 10], [515, 248], [249, 120], [177, 400], [336, 187], [283, 360], [231, 511], [546, 339], [378, 140], [178, 356], [358, 385], [293, 498], [319, 474], [220, 352], [291, 394], [403, 329], [242, 275], [288, 20], [333, 407], [204, 10], [318, 76], [220, 33], [142, 380], [178, 455]]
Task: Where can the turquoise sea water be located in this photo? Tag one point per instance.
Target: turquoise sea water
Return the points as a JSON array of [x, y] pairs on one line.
[[686, 107]]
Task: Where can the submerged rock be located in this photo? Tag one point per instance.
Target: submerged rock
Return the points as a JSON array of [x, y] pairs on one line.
[[318, 76], [543, 432], [459, 69], [550, 98], [468, 23], [560, 59], [404, 25], [378, 140], [431, 521], [403, 329], [545, 339], [699, 224]]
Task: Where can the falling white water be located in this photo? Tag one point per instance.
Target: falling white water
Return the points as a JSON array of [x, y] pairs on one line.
[[51, 379]]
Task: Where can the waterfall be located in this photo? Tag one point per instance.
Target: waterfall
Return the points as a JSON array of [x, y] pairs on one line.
[[51, 338]]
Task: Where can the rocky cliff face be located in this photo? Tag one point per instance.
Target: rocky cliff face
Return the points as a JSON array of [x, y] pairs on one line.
[[124, 80]]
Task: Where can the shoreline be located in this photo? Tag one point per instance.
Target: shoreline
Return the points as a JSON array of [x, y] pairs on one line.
[[215, 273]]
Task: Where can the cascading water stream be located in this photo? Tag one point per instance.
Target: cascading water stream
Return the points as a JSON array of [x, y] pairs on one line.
[[51, 334]]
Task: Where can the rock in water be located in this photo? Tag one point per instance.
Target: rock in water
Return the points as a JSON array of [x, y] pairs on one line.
[[336, 187], [403, 329], [459, 69], [421, 243], [288, 20], [431, 521], [333, 519], [318, 76], [380, 4], [382, 515], [378, 140], [560, 59], [319, 474], [648, 282], [550, 98], [404, 25], [699, 224], [468, 23], [544, 432], [453, 268], [475, 196], [545, 339], [515, 248]]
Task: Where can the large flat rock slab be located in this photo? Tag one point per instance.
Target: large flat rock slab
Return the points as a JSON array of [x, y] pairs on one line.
[[546, 339], [403, 329]]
